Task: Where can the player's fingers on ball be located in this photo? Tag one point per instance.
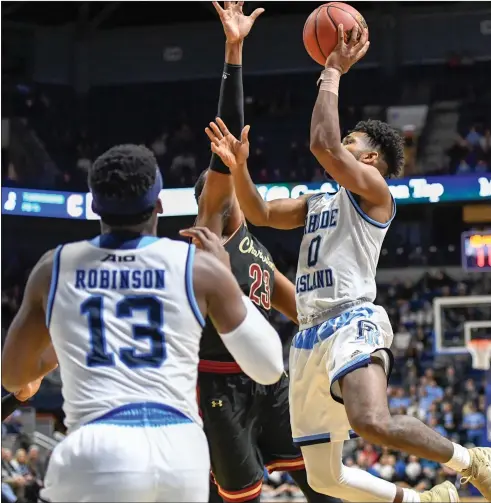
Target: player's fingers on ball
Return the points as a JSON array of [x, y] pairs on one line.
[[340, 35], [355, 32], [223, 127], [362, 51], [364, 37]]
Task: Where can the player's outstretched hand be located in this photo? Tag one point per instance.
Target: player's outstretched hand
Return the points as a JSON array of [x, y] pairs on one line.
[[208, 241], [224, 144], [236, 24], [350, 50]]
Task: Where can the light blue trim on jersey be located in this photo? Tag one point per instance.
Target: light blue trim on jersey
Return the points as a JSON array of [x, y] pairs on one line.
[[362, 214], [308, 338], [147, 240], [189, 286], [54, 284], [320, 438], [145, 414], [116, 242]]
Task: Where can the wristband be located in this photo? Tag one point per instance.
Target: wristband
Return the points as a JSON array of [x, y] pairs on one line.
[[329, 80]]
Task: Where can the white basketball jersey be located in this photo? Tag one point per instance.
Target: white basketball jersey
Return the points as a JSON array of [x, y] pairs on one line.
[[338, 257], [125, 325]]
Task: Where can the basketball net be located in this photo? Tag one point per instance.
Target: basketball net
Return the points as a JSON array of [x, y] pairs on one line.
[[480, 350]]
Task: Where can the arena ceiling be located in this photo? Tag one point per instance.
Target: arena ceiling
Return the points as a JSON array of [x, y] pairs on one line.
[[101, 15]]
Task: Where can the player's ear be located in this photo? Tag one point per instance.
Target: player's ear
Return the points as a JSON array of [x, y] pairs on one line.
[[159, 209], [371, 157]]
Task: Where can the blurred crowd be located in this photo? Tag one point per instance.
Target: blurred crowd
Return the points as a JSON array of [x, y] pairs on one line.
[[471, 152], [74, 131], [23, 468]]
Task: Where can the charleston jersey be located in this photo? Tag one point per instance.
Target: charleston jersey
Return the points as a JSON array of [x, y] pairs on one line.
[[253, 268], [125, 325], [338, 257]]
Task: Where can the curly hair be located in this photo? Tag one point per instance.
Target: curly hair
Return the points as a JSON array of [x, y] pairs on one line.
[[386, 139], [123, 172]]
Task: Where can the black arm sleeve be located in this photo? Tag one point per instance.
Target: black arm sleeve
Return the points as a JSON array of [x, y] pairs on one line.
[[9, 405], [230, 108]]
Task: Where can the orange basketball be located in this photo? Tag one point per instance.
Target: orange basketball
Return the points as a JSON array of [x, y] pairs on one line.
[[320, 33]]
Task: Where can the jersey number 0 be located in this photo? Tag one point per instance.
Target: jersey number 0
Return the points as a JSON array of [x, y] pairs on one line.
[[99, 356]]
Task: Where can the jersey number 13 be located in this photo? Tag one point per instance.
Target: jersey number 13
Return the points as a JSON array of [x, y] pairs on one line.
[[99, 356]]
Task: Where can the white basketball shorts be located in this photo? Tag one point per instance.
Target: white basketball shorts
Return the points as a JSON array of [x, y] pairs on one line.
[[319, 357], [119, 459]]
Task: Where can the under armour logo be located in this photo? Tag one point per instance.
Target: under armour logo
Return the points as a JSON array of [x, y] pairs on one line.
[[216, 403], [225, 75]]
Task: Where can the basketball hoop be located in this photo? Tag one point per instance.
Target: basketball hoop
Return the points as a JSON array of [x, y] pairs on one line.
[[480, 350]]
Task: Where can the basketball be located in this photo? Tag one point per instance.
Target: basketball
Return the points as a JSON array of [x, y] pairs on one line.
[[320, 31]]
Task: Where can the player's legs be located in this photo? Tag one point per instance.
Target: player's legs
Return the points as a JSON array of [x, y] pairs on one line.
[[364, 392], [230, 415], [365, 398], [318, 361], [276, 444], [327, 474]]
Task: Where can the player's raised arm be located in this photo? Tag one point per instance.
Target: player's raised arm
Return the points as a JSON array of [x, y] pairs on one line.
[[280, 213], [214, 190], [249, 337], [27, 353], [357, 173]]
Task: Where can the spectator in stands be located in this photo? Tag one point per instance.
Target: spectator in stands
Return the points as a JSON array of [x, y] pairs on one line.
[[474, 423], [399, 399], [463, 167], [473, 138], [413, 471], [279, 485], [13, 423], [20, 462], [435, 425], [36, 466], [159, 146], [448, 417], [10, 476], [485, 143], [434, 391], [8, 493]]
